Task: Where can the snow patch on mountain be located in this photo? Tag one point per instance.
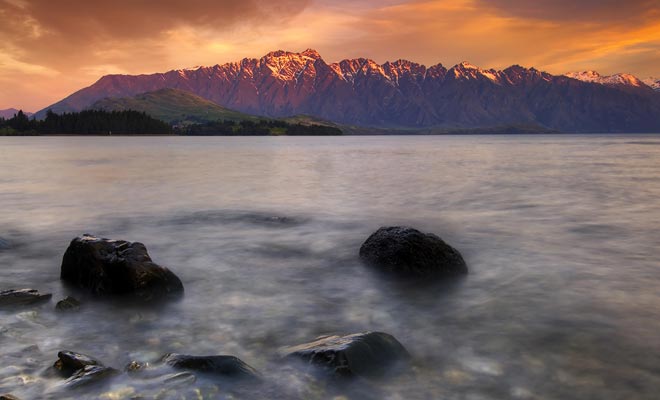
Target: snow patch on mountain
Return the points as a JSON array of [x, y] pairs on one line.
[[609, 80], [654, 83]]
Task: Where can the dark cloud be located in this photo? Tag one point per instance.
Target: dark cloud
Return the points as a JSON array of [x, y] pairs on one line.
[[140, 18], [44, 30], [588, 11]]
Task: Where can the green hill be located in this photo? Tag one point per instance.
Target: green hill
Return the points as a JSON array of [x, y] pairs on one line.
[[172, 106]]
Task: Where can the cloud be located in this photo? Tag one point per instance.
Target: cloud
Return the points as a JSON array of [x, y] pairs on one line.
[[51, 30], [500, 33], [584, 11]]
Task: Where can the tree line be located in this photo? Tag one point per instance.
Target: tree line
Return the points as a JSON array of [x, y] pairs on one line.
[[88, 122], [256, 128], [98, 122]]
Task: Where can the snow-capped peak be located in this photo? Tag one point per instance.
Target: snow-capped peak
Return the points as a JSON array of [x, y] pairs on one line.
[[467, 65], [466, 70], [610, 80], [311, 53], [654, 83]]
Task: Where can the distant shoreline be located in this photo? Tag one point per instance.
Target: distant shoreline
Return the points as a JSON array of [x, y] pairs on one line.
[[344, 135]]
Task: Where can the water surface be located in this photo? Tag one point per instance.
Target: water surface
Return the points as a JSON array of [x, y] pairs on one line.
[[560, 234]]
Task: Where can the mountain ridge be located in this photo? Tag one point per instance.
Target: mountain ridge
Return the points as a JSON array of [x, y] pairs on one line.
[[9, 113], [399, 94]]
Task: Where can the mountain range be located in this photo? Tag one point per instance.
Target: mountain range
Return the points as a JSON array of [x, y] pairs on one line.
[[399, 94]]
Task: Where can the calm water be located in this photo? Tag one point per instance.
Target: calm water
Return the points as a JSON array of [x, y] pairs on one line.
[[560, 233]]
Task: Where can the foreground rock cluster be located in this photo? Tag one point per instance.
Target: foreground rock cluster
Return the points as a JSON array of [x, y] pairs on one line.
[[105, 267]]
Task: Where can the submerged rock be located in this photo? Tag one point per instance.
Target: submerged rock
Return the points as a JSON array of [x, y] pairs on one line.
[[4, 244], [359, 354], [106, 266], [20, 297], [409, 252], [90, 374], [69, 362], [67, 304], [229, 366], [80, 369]]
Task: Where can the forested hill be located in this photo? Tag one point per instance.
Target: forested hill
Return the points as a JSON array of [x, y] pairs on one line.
[[89, 122]]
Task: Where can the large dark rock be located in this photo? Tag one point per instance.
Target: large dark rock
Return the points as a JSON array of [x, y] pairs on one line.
[[107, 266], [21, 297], [409, 252], [360, 354], [229, 366]]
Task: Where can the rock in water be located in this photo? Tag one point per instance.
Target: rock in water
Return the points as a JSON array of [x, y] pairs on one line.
[[67, 304], [229, 366], [107, 266], [360, 354], [80, 369], [88, 375], [20, 297], [69, 362], [409, 252]]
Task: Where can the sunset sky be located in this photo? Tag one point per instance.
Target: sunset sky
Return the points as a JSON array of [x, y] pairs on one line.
[[50, 49]]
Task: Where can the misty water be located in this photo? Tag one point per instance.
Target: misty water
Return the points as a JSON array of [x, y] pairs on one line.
[[560, 234]]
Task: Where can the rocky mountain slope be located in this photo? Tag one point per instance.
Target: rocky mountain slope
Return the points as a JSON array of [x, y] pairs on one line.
[[399, 94]]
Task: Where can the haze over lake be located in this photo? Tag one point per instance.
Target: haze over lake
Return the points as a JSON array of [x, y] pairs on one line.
[[559, 232]]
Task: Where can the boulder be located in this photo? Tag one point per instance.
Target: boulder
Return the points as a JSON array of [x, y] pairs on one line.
[[408, 252], [21, 297], [360, 354], [229, 366], [8, 397], [106, 266], [67, 304]]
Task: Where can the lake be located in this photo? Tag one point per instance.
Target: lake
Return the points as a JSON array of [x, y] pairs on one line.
[[560, 234]]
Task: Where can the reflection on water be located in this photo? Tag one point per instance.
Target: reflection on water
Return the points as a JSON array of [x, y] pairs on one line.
[[559, 232]]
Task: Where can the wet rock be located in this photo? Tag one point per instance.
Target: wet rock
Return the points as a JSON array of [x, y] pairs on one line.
[[8, 397], [106, 266], [90, 374], [67, 304], [360, 354], [180, 379], [69, 362], [229, 366], [409, 252], [80, 369], [21, 297], [135, 366]]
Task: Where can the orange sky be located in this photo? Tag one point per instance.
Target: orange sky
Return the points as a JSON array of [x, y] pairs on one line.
[[51, 48]]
